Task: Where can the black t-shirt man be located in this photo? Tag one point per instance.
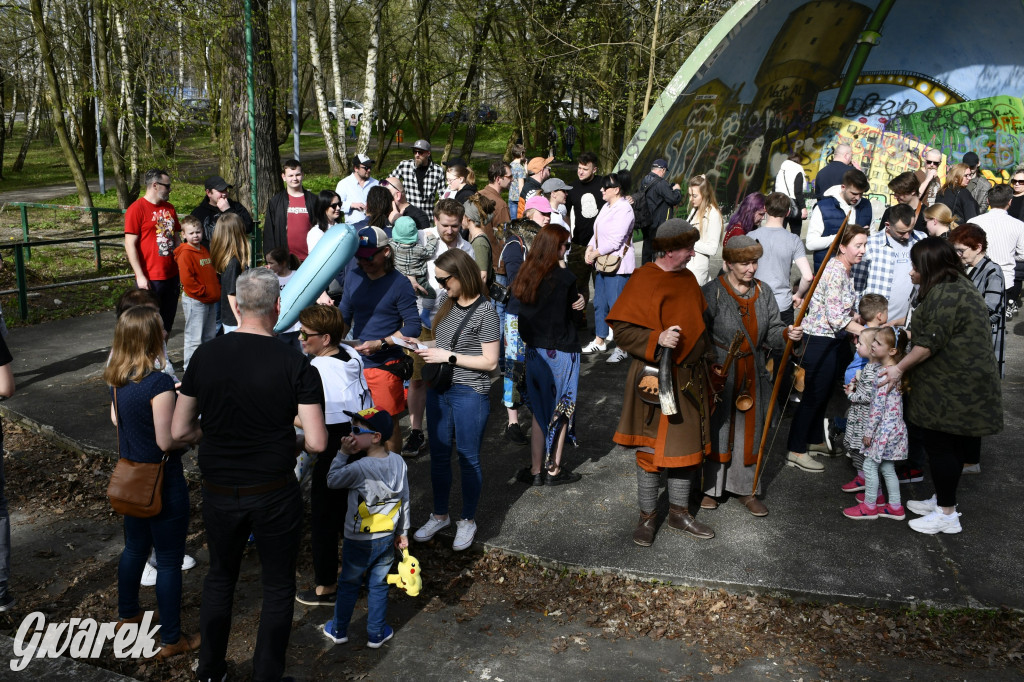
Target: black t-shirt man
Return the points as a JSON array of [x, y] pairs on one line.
[[583, 202], [248, 389]]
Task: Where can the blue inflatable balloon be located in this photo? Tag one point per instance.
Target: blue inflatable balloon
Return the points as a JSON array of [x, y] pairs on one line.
[[327, 259]]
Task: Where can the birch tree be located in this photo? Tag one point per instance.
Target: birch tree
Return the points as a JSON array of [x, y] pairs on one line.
[[320, 94], [369, 92]]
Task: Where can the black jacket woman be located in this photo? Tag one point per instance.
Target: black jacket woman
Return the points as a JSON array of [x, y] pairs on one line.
[[547, 296]]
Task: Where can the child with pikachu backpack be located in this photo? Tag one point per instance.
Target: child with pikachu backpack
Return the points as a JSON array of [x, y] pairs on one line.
[[376, 523]]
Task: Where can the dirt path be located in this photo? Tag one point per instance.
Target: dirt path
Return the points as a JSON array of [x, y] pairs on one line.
[[488, 616]]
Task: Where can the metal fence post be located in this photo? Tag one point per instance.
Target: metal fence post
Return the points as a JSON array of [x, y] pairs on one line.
[[24, 231], [96, 233], [19, 268]]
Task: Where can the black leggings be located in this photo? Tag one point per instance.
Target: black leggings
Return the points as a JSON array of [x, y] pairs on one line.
[[947, 454], [820, 363], [328, 508]]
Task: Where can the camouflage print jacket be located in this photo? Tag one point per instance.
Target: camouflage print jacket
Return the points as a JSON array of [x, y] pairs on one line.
[[957, 389]]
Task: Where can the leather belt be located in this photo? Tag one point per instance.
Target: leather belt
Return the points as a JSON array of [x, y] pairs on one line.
[[246, 491]]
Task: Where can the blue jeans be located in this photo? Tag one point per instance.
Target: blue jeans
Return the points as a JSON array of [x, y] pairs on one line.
[[372, 558], [513, 207], [200, 324], [458, 416], [606, 291], [166, 532], [275, 518]]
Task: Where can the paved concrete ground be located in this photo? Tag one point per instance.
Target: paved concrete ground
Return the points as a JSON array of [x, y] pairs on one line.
[[804, 547]]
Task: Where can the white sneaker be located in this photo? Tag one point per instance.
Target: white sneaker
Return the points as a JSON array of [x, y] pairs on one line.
[[923, 507], [595, 347], [611, 335], [937, 522], [618, 355], [465, 531], [430, 528], [188, 563], [148, 575]]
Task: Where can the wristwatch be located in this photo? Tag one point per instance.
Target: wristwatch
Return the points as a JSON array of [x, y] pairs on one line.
[[383, 344], [451, 359]]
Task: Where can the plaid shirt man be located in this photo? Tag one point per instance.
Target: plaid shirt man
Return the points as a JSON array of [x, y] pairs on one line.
[[423, 197], [874, 274]]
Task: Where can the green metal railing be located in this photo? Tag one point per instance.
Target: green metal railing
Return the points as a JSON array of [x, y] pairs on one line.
[[23, 250], [20, 256], [94, 214]]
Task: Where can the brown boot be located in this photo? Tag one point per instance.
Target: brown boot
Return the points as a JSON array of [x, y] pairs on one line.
[[754, 505], [679, 518], [644, 533], [137, 618], [184, 644]]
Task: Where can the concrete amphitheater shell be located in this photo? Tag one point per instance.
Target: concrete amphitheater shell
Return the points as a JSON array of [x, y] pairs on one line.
[[891, 78]]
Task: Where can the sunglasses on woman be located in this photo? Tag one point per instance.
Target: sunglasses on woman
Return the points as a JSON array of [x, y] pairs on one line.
[[304, 335], [443, 281]]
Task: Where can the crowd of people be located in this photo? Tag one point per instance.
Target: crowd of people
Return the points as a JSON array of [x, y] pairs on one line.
[[454, 286]]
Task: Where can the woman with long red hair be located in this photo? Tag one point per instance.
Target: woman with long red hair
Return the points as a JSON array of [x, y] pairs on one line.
[[547, 296]]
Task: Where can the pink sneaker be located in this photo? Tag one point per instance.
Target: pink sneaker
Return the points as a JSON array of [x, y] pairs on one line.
[[880, 501], [861, 513], [856, 485], [889, 511]]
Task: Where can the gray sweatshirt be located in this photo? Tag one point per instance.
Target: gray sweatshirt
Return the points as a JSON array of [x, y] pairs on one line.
[[378, 495]]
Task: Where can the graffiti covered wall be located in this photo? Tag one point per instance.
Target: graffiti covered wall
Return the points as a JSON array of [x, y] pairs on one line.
[[766, 80]]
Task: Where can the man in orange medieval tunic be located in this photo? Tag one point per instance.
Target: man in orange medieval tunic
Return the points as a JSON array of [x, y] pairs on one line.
[[737, 303], [661, 310]]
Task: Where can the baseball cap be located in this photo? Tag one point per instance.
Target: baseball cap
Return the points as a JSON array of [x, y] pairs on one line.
[[218, 183], [659, 163], [405, 231], [553, 185], [971, 159], [539, 203], [371, 239], [378, 420], [422, 145], [363, 160], [538, 163]]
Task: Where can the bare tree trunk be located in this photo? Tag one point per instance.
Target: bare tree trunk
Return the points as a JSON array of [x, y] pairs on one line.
[[147, 120], [363, 143], [470, 140], [340, 122], [318, 91], [235, 163], [632, 87], [107, 91], [57, 104], [480, 28], [128, 116], [650, 70], [31, 118], [3, 120]]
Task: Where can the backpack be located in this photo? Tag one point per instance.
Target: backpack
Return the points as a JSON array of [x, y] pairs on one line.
[[642, 218]]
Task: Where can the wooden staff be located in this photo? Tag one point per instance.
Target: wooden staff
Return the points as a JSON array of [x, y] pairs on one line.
[[789, 349]]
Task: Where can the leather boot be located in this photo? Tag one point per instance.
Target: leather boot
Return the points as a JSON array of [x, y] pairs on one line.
[[644, 533], [184, 644], [679, 518], [754, 505]]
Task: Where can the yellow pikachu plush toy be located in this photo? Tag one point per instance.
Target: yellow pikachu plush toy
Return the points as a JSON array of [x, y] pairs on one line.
[[408, 577]]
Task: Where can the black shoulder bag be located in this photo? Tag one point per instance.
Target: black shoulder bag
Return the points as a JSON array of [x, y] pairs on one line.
[[440, 374]]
